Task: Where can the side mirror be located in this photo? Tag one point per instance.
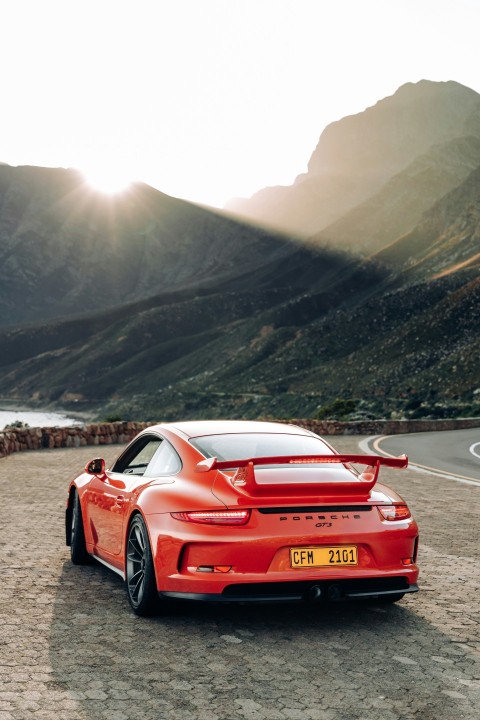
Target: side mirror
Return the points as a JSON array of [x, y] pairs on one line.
[[96, 467]]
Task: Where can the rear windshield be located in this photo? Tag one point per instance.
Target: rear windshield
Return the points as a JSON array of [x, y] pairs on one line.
[[240, 446]]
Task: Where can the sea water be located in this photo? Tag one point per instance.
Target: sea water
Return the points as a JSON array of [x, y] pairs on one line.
[[35, 419]]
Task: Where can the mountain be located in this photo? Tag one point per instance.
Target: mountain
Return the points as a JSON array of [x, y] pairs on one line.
[[357, 156], [398, 333], [66, 249], [162, 340], [264, 355], [147, 307]]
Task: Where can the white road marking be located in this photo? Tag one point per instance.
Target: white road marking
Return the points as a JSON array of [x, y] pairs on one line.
[[365, 446], [472, 449], [372, 443]]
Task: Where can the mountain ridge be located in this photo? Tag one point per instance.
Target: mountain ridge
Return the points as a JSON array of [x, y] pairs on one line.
[[65, 248], [358, 154]]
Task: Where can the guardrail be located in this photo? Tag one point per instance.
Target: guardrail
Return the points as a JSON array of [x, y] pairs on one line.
[[19, 439]]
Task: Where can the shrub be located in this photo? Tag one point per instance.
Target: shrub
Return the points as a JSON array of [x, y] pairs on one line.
[[337, 409], [17, 425]]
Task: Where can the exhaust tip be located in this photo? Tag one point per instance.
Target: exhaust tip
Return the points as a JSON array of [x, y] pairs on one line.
[[334, 593], [314, 594]]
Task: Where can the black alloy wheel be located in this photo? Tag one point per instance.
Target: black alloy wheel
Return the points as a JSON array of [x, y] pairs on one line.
[[140, 573]]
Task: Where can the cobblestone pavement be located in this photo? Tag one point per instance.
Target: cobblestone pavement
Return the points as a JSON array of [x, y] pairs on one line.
[[71, 649]]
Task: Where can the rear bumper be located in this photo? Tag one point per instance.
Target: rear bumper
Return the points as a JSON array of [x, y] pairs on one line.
[[303, 591]]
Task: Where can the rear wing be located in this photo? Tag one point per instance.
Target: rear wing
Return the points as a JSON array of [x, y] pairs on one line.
[[245, 473]]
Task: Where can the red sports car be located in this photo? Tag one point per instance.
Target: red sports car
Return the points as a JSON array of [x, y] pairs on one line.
[[243, 511]]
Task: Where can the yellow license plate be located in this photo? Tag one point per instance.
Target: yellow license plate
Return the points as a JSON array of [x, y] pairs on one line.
[[307, 557]]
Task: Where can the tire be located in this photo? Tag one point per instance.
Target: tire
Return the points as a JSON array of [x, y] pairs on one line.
[[78, 548], [139, 571]]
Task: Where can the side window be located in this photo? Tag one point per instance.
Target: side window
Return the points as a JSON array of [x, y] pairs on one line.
[[137, 457], [164, 462]]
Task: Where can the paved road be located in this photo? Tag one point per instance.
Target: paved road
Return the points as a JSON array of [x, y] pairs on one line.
[[456, 452], [70, 649]]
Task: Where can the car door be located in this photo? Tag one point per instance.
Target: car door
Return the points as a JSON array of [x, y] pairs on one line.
[[109, 496]]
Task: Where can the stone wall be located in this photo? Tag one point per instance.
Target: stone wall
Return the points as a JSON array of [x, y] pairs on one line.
[[16, 440], [12, 441], [385, 427]]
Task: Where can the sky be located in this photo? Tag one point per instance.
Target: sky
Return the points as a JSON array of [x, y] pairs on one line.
[[210, 99]]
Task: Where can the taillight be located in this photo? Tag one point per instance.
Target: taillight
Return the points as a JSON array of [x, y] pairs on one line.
[[394, 512], [215, 517]]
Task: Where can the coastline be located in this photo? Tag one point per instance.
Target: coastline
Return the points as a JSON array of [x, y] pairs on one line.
[[88, 414], [40, 415]]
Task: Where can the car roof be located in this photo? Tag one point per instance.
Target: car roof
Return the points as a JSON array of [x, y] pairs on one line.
[[198, 428]]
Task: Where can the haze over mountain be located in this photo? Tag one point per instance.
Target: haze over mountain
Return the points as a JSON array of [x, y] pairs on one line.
[[400, 155], [399, 205], [149, 307]]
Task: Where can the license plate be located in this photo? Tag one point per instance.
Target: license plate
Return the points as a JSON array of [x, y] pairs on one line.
[[307, 557]]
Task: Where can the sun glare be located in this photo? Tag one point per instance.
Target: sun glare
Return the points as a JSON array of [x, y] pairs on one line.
[[107, 181]]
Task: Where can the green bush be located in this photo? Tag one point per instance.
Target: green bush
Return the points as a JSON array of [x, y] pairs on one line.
[[337, 409], [17, 425]]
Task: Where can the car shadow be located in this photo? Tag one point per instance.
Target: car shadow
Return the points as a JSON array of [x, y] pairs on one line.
[[331, 662]]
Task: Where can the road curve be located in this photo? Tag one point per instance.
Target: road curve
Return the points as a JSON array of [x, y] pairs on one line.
[[454, 453]]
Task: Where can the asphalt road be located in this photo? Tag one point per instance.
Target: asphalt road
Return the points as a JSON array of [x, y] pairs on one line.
[[455, 452], [70, 648]]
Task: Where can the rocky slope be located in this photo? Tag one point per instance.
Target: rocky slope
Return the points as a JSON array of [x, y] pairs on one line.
[[165, 339], [445, 241]]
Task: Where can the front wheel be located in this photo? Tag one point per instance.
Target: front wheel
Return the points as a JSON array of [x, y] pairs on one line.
[[140, 573], [78, 548]]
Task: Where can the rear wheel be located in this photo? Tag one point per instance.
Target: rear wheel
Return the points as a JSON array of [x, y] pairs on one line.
[[78, 548], [140, 573]]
